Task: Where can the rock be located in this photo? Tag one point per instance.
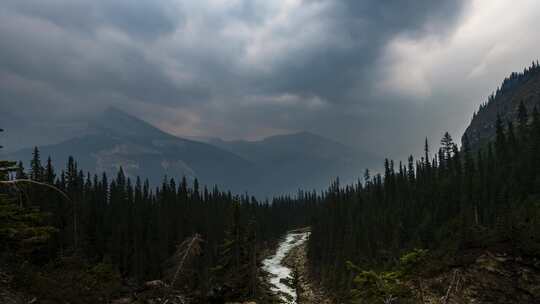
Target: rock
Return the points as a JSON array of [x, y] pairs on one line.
[[154, 284], [491, 277], [308, 291], [286, 281]]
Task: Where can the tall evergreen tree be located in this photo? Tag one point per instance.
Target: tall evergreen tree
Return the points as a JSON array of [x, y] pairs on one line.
[[500, 139], [36, 169], [522, 116], [49, 174]]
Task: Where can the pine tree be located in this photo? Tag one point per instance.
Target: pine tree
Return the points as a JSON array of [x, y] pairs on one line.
[[447, 148], [36, 170], [237, 264], [49, 175], [512, 141], [426, 153], [410, 169], [367, 177], [522, 115], [500, 139]]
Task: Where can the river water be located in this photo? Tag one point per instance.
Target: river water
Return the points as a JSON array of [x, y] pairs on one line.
[[278, 272]]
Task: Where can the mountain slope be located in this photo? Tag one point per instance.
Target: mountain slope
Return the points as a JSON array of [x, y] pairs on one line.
[[117, 139], [300, 160], [518, 87], [274, 165]]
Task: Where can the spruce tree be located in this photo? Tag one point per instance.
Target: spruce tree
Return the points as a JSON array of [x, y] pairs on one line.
[[410, 169], [36, 169], [447, 148], [500, 139], [426, 153], [49, 175], [522, 116]]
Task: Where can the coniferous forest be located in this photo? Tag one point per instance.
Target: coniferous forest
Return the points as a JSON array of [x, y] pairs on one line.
[[70, 236], [445, 202], [119, 228], [269, 152]]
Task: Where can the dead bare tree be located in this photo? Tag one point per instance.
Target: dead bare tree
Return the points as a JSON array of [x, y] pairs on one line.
[[188, 249], [16, 182], [454, 285]]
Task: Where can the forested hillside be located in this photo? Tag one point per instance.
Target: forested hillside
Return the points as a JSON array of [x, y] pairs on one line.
[[455, 204], [519, 90]]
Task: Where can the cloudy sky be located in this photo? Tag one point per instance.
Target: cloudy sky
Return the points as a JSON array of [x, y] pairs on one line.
[[375, 74]]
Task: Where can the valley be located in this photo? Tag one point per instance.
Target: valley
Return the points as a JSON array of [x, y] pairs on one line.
[[269, 152]]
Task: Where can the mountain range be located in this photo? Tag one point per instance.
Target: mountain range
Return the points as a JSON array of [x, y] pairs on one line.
[[275, 165]]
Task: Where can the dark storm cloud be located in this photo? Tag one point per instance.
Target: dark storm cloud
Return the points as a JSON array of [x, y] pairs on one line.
[[227, 68], [81, 48], [139, 18], [363, 28]]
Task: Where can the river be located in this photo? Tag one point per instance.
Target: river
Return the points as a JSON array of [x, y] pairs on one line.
[[278, 273]]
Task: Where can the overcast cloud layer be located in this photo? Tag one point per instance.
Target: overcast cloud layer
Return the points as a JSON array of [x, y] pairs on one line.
[[379, 75]]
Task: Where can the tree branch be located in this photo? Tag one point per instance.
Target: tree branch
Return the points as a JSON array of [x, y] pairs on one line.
[[15, 182]]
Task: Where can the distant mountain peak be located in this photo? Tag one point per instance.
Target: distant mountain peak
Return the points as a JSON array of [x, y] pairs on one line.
[[116, 112], [115, 121], [275, 165], [305, 133], [294, 134]]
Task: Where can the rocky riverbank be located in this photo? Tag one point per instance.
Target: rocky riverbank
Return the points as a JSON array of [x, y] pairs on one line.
[[308, 291], [486, 276]]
